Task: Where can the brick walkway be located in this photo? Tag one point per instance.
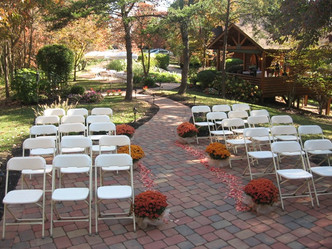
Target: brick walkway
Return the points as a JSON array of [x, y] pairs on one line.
[[201, 217]]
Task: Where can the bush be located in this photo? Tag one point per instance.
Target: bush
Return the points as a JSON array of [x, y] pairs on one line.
[[234, 65], [206, 78], [162, 61], [25, 86], [195, 62], [92, 97], [77, 90], [118, 65], [166, 77], [57, 61], [153, 61], [149, 81]]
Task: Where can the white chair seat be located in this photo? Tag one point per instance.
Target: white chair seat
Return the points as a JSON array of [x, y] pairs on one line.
[[103, 148], [95, 137], [294, 173], [262, 139], [238, 131], [41, 151], [72, 150], [70, 194], [38, 171], [237, 141], [261, 154], [220, 132], [286, 138], [320, 152], [72, 170], [24, 196], [322, 170], [114, 192], [292, 153], [204, 123], [115, 168]]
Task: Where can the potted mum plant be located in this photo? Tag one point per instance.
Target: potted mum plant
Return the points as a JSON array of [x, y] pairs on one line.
[[261, 195], [150, 208], [124, 129], [186, 132], [137, 152], [218, 154]]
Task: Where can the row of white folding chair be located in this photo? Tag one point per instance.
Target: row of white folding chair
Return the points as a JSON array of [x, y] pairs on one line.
[[78, 111], [80, 163], [234, 107]]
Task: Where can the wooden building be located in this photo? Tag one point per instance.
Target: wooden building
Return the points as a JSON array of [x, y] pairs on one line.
[[263, 61]]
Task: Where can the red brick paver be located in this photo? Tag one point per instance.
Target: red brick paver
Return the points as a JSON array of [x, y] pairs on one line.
[[200, 216]]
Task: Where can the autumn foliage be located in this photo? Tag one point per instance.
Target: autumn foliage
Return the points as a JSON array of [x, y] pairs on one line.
[[150, 204]]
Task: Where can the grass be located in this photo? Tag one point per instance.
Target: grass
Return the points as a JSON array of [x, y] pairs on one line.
[[204, 99]]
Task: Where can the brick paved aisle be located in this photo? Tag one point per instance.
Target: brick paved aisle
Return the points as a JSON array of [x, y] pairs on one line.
[[201, 217]]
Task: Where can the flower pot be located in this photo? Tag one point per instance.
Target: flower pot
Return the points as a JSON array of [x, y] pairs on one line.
[[186, 140], [144, 222], [218, 163], [261, 209]]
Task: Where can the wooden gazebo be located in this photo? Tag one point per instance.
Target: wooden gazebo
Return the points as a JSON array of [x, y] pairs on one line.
[[263, 61]]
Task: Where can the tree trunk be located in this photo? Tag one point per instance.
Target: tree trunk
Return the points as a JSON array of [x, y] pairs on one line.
[[223, 83], [143, 63], [129, 91], [5, 69]]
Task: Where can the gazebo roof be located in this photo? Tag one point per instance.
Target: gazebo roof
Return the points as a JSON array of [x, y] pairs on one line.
[[243, 38]]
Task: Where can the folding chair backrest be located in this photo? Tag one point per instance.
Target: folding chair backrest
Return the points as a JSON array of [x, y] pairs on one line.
[[221, 108], [232, 122], [241, 107], [118, 140], [216, 116], [97, 119], [281, 119], [102, 111], [283, 130], [41, 130], [256, 132], [286, 146], [103, 127], [51, 119], [78, 111], [119, 160], [54, 111], [257, 120], [200, 109], [22, 163], [238, 114], [38, 143], [70, 119], [72, 160], [310, 130], [261, 112], [75, 142], [74, 127], [317, 144]]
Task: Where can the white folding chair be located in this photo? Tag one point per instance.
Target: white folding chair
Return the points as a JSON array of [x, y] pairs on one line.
[[320, 146], [75, 144], [292, 174], [54, 111], [78, 111], [48, 120], [103, 128], [221, 108], [72, 119], [40, 146], [235, 125], [102, 111], [253, 154], [71, 194], [199, 117], [281, 120], [96, 119], [123, 162], [310, 132], [24, 196], [215, 131], [241, 107]]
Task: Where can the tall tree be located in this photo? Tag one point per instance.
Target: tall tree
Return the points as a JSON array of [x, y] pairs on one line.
[[124, 9]]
